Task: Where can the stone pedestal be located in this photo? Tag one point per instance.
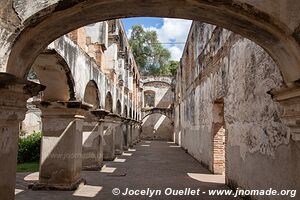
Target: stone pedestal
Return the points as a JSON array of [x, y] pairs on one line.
[[61, 148], [109, 141], [119, 140], [125, 136], [10, 117], [130, 135], [92, 146], [14, 94], [135, 133]]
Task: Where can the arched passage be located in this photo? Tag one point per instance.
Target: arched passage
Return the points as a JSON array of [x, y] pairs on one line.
[[157, 127], [91, 94], [276, 30], [219, 134], [53, 72], [108, 102]]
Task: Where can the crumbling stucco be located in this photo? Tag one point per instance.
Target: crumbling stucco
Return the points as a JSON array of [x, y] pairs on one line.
[[235, 69]]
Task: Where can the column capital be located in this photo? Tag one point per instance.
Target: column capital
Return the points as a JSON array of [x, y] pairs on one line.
[[14, 95], [74, 109], [100, 113], [113, 118], [289, 98]]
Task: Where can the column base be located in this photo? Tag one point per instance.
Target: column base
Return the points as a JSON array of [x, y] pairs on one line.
[[118, 152], [45, 186], [109, 159], [92, 168], [125, 148]]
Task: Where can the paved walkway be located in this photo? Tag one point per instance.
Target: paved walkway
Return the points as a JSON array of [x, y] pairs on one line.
[[155, 165]]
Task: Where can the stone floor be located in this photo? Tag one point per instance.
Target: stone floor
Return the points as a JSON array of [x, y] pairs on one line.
[[155, 165]]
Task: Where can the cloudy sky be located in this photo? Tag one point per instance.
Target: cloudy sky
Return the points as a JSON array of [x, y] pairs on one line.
[[172, 31]]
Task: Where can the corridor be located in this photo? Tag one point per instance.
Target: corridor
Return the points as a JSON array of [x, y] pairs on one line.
[[150, 164]]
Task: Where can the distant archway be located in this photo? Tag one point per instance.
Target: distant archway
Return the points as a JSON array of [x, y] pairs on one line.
[[149, 98], [168, 112]]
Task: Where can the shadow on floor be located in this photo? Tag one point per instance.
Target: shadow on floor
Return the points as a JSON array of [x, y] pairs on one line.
[[155, 165]]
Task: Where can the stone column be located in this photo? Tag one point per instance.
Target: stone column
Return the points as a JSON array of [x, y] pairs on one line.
[[139, 132], [135, 133], [61, 148], [93, 140], [14, 94], [92, 146], [119, 139], [109, 141], [130, 134], [9, 135], [125, 135]]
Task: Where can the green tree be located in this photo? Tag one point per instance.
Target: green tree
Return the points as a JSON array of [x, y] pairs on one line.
[[31, 74], [151, 57], [170, 68]]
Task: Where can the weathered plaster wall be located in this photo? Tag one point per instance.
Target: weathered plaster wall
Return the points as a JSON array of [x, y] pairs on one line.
[[68, 67], [218, 64]]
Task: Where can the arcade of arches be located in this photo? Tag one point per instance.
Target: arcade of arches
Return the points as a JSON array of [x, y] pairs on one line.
[[234, 104]]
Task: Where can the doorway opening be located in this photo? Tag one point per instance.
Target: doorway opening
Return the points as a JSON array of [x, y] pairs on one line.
[[219, 138]]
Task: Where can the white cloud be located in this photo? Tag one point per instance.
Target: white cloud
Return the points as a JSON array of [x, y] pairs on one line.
[[176, 52], [173, 30], [128, 33]]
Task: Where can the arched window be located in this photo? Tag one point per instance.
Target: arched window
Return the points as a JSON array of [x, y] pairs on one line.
[[149, 98]]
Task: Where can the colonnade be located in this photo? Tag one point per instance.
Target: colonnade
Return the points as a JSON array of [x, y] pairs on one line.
[[74, 137]]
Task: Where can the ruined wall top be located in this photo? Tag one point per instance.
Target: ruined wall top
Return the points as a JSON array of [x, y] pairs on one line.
[[164, 79]]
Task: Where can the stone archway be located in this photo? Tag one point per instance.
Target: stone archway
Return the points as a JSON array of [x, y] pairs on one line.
[[168, 112], [53, 72], [276, 30]]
